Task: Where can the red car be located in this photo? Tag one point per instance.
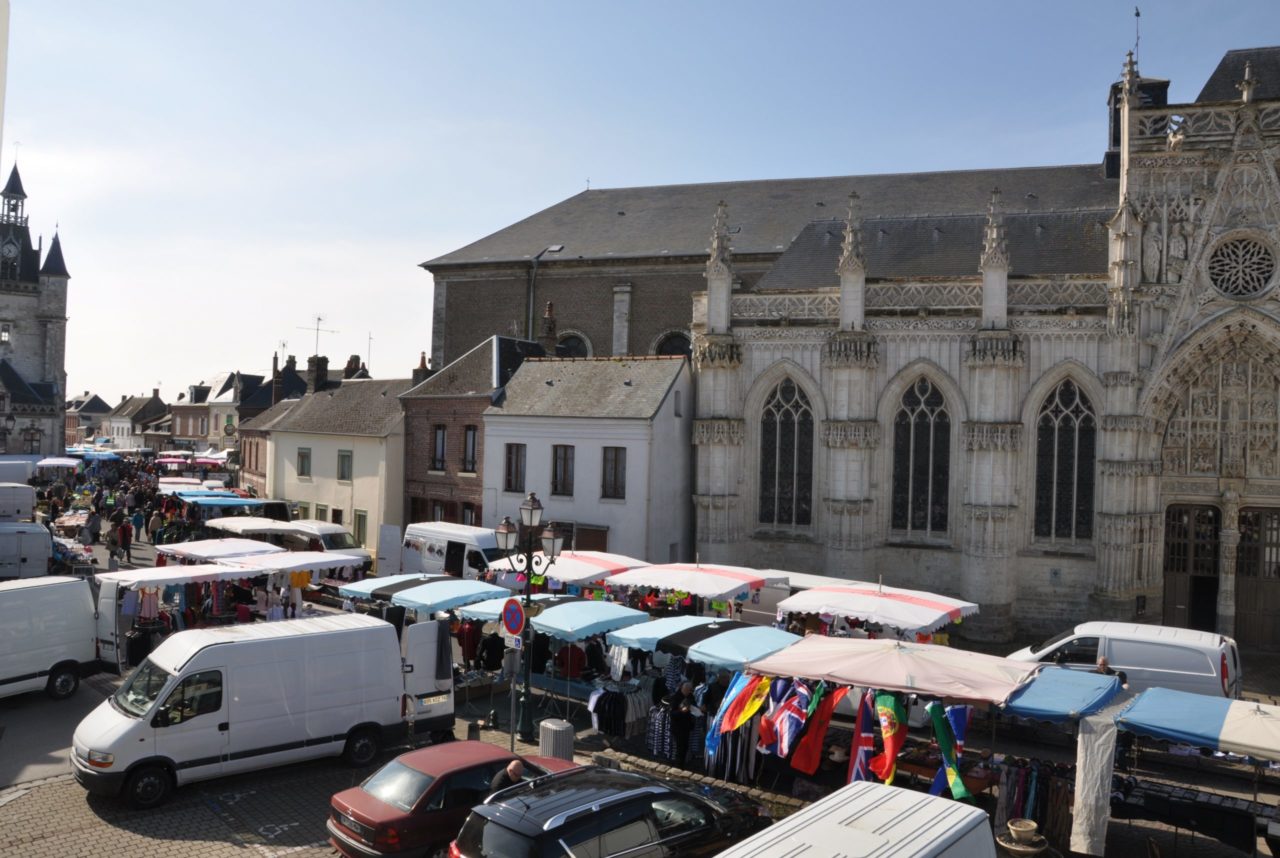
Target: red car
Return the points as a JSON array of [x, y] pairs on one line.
[[416, 804]]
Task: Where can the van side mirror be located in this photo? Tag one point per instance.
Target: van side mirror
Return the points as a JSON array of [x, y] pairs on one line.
[[161, 718]]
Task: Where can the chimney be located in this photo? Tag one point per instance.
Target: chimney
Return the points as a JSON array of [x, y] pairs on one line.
[[422, 371], [547, 336], [123, 399], [155, 393], [352, 367], [291, 364], [277, 384], [317, 372]]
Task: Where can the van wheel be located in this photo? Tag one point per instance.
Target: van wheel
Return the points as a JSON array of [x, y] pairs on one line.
[[362, 747], [63, 682], [148, 787]]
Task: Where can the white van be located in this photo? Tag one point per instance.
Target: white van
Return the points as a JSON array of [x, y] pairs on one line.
[[312, 534], [212, 702], [443, 548], [17, 502], [874, 819], [26, 550], [1149, 656], [46, 635]]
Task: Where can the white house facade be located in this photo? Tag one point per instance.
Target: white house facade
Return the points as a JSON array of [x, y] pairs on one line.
[[604, 444]]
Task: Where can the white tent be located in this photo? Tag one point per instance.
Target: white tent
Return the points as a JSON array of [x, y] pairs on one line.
[[246, 525], [909, 610], [292, 561], [217, 549], [574, 567], [136, 579], [709, 582]]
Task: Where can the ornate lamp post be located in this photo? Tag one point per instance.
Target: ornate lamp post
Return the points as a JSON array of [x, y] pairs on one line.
[[525, 562]]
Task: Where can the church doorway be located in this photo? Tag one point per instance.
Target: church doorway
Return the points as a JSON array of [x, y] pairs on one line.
[[1258, 578], [1191, 547]]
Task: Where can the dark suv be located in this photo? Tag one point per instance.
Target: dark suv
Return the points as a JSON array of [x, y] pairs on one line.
[[592, 812]]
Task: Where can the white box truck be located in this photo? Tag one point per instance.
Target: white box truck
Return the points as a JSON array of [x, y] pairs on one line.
[[875, 819], [26, 550], [17, 502], [46, 635], [212, 702]]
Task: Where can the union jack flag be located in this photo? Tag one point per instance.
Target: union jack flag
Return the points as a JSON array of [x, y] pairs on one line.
[[864, 739], [790, 717]]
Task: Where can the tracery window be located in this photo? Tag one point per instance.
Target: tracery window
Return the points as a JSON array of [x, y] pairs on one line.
[[1066, 434], [1241, 267], [921, 461], [786, 458]]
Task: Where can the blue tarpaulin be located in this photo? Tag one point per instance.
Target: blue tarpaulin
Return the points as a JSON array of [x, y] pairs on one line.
[[1059, 694], [446, 595], [1218, 723]]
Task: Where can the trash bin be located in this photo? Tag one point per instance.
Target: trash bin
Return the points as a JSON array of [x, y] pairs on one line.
[[555, 739], [473, 731]]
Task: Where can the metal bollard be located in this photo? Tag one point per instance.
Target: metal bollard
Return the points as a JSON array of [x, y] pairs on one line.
[[473, 731]]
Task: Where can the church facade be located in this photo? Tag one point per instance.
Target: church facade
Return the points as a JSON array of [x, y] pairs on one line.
[[1057, 399]]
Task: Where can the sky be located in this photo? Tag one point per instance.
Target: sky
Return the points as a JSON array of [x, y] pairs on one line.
[[222, 173]]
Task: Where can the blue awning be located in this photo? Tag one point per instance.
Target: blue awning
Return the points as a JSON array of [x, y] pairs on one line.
[[646, 636], [446, 595], [1218, 723], [1060, 694], [734, 648], [579, 620], [364, 589]]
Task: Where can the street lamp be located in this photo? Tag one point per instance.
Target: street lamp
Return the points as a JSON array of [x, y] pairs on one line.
[[509, 540], [9, 423]]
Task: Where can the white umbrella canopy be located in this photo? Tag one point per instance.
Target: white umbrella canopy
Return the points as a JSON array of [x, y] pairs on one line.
[[889, 665], [217, 549], [577, 567], [909, 610], [709, 582]]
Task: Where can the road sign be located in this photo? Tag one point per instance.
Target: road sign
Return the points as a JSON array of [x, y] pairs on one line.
[[515, 642], [513, 617]]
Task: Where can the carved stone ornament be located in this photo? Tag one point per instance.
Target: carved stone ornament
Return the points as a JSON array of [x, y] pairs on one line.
[[851, 433], [851, 349], [848, 506], [995, 348], [1206, 486], [804, 307], [992, 436], [719, 430], [995, 247], [718, 351], [989, 512], [1128, 423], [719, 262], [1129, 468], [851, 259], [717, 502]]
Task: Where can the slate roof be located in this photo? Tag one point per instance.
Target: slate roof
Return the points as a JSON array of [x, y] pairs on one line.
[[54, 266], [356, 407], [266, 421], [629, 388], [479, 372], [1221, 85], [1039, 244], [13, 187], [133, 405], [292, 385], [22, 393], [766, 215], [89, 403]]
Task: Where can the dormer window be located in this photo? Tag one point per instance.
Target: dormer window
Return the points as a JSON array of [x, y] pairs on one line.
[[6, 330]]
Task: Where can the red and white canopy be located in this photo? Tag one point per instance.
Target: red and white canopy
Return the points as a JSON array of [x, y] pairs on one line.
[[709, 582], [909, 610], [577, 567]]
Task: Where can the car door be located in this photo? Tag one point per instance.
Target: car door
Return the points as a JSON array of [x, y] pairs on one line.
[[191, 726], [686, 826], [626, 831], [1075, 653], [448, 805]]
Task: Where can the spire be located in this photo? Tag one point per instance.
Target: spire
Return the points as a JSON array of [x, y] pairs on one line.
[[1245, 86], [721, 255], [995, 248], [54, 266], [12, 200], [851, 259], [13, 188]]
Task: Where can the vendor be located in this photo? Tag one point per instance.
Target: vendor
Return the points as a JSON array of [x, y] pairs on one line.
[[1105, 667]]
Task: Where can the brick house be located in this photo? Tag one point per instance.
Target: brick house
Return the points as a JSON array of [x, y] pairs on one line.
[[444, 429]]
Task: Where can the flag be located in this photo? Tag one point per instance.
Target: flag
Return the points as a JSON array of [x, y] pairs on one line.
[[729, 711], [958, 717], [790, 718], [864, 739], [752, 699], [893, 731], [778, 692], [946, 744], [809, 749], [736, 687]]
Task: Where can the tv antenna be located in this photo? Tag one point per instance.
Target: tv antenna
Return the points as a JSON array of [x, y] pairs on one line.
[[1137, 32], [368, 351], [319, 320]]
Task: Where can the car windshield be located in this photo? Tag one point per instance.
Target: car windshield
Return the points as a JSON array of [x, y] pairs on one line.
[[492, 555], [141, 690], [338, 540], [1056, 639], [481, 838], [398, 785]]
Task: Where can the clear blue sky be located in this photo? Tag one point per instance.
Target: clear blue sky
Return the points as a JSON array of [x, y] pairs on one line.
[[224, 171]]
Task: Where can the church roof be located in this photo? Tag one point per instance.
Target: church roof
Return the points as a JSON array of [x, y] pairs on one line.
[[1039, 244], [766, 215], [20, 392], [1221, 85], [13, 188], [53, 266], [625, 388]]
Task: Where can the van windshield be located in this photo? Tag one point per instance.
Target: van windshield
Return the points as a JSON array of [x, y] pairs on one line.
[[492, 555], [338, 540], [141, 690], [1056, 639]]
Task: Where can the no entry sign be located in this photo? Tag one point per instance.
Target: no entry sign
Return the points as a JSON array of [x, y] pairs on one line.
[[513, 617]]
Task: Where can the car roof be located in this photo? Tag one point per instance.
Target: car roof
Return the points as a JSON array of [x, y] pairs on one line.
[[546, 803], [1140, 631], [441, 759]]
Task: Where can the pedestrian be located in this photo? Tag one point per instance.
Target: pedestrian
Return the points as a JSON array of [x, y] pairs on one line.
[[155, 525], [683, 710], [139, 522], [126, 540], [94, 526], [508, 777]]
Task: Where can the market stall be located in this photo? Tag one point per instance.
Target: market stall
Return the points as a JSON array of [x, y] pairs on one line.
[[645, 636], [210, 550], [382, 588], [735, 647], [910, 611], [701, 580], [249, 525], [570, 569], [445, 595]]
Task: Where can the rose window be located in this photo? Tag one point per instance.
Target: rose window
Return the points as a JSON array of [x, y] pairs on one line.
[[1241, 267]]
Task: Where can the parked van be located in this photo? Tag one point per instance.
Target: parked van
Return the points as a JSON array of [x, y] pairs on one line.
[[1149, 656], [219, 701], [17, 502], [26, 550], [874, 819], [46, 635], [440, 547], [312, 534]]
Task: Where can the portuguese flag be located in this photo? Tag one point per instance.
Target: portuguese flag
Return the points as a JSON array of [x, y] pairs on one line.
[[893, 731]]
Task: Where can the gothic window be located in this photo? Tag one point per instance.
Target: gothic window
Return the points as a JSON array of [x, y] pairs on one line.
[[1241, 267], [573, 345], [1066, 431], [786, 458], [1258, 553], [921, 461]]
